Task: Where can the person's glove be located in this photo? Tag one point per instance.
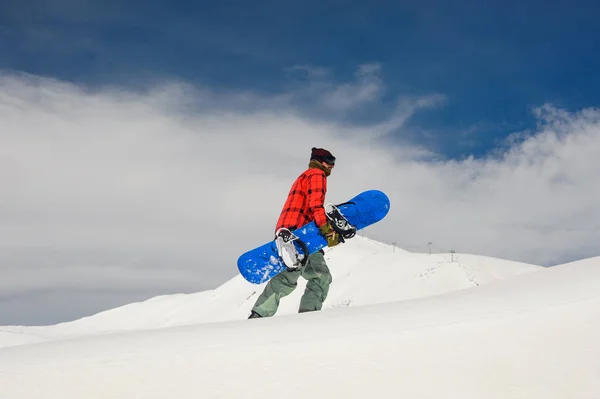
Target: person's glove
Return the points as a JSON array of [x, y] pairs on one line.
[[330, 235]]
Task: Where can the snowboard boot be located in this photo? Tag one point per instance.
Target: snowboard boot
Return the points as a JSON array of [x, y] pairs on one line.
[[254, 315]]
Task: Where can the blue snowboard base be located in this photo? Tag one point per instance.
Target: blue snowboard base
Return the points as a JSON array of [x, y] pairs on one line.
[[262, 263]]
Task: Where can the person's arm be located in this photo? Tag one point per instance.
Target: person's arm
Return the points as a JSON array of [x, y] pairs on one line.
[[317, 187]]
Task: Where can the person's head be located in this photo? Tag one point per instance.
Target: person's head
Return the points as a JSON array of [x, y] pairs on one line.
[[323, 156]]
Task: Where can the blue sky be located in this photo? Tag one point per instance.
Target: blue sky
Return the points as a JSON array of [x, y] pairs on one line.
[[491, 61], [189, 99]]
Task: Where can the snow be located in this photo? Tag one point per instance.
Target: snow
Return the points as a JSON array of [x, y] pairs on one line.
[[396, 324]]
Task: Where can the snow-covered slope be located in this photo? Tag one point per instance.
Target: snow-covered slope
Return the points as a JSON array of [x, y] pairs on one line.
[[364, 272], [533, 336]]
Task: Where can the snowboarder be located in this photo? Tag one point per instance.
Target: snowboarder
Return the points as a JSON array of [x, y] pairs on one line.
[[305, 203]]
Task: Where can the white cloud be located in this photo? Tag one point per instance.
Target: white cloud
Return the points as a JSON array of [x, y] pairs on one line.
[[368, 87], [321, 92], [170, 185]]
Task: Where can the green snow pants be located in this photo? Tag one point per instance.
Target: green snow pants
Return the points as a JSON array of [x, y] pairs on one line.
[[319, 278]]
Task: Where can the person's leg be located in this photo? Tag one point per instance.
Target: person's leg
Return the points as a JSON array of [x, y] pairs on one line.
[[319, 278], [279, 286]]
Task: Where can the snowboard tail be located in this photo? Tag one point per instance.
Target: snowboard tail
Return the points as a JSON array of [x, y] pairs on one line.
[[264, 262]]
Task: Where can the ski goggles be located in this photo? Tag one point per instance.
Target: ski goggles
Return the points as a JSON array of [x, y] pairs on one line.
[[329, 160]]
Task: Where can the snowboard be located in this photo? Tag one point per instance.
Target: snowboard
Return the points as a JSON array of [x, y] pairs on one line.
[[262, 263]]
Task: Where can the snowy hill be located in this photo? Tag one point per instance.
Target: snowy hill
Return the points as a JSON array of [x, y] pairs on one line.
[[482, 328], [365, 272]]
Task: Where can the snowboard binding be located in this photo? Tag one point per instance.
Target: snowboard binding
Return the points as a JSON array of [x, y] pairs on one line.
[[287, 250], [339, 223]]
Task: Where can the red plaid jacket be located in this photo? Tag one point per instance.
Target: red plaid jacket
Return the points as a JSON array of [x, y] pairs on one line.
[[305, 201]]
